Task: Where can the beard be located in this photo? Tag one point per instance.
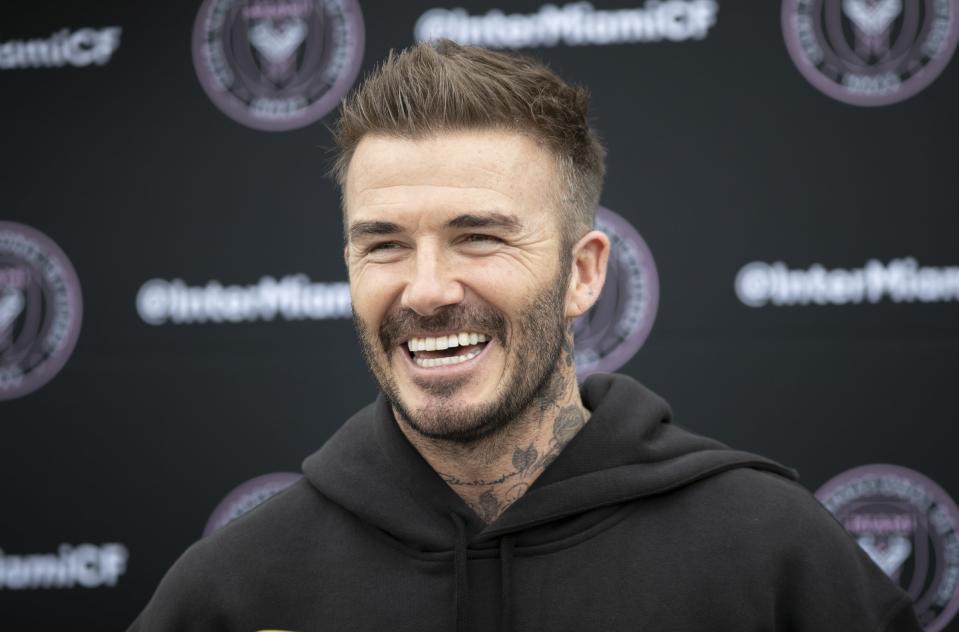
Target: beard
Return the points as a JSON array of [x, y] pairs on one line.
[[533, 349]]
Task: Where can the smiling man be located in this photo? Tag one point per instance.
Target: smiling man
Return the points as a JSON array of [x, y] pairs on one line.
[[485, 489], [465, 278]]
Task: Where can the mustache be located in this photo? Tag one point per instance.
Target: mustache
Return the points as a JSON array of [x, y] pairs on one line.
[[401, 324]]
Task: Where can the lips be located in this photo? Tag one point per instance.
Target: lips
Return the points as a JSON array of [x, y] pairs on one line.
[[445, 350], [452, 359], [449, 331]]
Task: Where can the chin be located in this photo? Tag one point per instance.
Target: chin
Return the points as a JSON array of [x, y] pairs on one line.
[[457, 418]]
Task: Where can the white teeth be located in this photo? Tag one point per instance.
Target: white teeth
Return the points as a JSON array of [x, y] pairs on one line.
[[432, 362], [445, 342]]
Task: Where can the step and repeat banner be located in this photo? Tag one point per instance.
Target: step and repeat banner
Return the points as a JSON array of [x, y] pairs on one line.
[[175, 337]]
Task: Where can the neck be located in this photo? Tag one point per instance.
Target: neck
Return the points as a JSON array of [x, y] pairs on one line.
[[492, 473]]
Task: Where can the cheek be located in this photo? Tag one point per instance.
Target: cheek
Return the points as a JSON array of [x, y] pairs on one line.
[[501, 282], [373, 290]]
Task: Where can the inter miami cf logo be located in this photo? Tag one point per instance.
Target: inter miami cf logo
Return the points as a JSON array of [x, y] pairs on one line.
[[40, 309], [247, 496], [277, 64], [907, 525], [611, 333], [871, 52]]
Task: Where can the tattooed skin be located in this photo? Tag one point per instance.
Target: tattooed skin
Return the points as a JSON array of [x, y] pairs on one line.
[[514, 492], [568, 422], [511, 462], [488, 507], [499, 493], [524, 459], [555, 419], [452, 480]]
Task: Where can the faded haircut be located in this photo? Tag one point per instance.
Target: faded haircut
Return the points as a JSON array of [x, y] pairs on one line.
[[441, 86]]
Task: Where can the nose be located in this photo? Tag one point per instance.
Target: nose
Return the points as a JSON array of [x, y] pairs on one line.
[[432, 284]]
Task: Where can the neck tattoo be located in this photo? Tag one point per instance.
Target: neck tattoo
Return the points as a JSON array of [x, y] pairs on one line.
[[511, 463]]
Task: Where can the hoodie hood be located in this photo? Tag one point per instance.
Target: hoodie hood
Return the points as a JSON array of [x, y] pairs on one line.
[[637, 523], [629, 449]]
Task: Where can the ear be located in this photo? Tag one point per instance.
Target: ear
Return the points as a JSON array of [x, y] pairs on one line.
[[590, 256]]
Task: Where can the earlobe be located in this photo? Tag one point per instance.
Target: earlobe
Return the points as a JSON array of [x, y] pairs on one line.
[[590, 257]]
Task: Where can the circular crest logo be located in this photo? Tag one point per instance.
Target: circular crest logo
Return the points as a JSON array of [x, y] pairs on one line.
[[870, 52], [40, 309], [277, 65], [247, 496], [907, 525], [611, 333]]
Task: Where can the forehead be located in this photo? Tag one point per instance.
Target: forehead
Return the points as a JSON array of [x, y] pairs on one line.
[[450, 169]]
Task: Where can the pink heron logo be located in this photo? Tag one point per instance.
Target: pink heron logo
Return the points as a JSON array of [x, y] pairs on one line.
[[40, 309], [870, 52], [277, 65], [247, 496], [907, 524]]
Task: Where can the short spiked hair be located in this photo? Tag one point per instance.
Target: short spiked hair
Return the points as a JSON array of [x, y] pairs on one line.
[[441, 86]]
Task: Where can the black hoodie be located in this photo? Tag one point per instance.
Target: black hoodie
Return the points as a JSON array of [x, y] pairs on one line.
[[637, 525]]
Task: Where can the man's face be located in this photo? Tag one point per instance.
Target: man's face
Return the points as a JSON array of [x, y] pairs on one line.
[[455, 240]]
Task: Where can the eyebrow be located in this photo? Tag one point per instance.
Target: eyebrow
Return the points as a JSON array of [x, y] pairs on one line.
[[360, 230], [370, 229], [486, 220]]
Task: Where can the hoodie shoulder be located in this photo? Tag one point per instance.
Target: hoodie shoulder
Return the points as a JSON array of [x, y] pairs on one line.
[[775, 513], [213, 579], [778, 530]]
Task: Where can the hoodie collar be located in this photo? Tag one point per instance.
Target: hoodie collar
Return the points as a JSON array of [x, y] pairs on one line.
[[629, 449]]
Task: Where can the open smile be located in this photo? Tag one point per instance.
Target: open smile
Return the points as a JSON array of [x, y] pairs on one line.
[[444, 354]]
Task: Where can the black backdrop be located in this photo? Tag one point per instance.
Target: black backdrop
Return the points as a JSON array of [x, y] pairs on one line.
[[720, 153]]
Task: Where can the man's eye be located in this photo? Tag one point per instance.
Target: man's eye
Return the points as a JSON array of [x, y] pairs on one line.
[[386, 245], [479, 238]]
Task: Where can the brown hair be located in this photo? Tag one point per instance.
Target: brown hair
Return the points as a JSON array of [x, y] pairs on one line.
[[442, 86]]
